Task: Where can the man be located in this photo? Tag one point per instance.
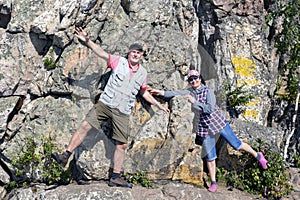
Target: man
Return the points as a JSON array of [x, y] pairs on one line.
[[128, 77]]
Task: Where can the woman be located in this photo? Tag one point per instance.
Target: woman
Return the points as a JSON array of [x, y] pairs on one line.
[[211, 122]]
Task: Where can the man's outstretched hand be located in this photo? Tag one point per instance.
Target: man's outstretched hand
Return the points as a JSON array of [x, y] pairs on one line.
[[81, 34]]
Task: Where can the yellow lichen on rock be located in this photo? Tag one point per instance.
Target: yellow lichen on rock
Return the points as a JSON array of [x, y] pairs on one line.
[[253, 102], [253, 114], [247, 82], [245, 69]]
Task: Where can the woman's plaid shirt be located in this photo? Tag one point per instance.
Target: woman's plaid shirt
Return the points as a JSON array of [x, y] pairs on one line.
[[209, 123], [207, 114]]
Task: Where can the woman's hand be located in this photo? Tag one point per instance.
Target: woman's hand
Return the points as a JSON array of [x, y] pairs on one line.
[[190, 98], [148, 97], [81, 34]]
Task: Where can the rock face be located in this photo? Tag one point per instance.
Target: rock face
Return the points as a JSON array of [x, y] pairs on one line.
[[45, 76]]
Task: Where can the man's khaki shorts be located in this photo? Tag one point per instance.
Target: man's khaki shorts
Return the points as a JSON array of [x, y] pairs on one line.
[[120, 122]]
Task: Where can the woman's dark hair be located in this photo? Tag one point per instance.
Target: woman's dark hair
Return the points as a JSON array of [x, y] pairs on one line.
[[202, 80]]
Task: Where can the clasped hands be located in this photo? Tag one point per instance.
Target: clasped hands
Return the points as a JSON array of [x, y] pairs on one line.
[[156, 92]]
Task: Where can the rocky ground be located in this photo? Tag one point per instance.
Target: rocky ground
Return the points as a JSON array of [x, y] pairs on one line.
[[163, 191]]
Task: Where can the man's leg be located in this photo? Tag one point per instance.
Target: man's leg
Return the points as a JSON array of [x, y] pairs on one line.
[[76, 140], [79, 136], [120, 125], [119, 156]]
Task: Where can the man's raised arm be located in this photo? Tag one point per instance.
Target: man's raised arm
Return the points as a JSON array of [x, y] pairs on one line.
[[84, 37]]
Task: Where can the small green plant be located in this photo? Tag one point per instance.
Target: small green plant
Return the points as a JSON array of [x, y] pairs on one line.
[[236, 97], [49, 63], [11, 185], [139, 178], [271, 183], [221, 174]]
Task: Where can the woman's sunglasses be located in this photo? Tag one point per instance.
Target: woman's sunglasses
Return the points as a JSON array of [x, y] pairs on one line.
[[193, 78]]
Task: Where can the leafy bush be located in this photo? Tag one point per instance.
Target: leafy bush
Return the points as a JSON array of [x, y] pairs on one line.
[[271, 183], [52, 171], [28, 160], [236, 97]]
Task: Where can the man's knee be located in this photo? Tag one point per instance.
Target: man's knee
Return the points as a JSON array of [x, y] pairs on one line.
[[85, 126], [121, 146]]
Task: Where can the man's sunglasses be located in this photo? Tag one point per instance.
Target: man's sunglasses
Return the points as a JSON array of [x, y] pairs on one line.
[[193, 78]]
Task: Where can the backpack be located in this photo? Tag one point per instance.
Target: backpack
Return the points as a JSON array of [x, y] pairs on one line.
[[97, 85]]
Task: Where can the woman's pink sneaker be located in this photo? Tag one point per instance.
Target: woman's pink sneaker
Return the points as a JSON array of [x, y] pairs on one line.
[[213, 188], [262, 161]]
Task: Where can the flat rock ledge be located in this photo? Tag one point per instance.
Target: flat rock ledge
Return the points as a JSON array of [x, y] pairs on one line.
[[100, 190]]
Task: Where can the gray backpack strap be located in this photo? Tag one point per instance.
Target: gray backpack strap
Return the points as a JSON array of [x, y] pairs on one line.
[[97, 85]]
